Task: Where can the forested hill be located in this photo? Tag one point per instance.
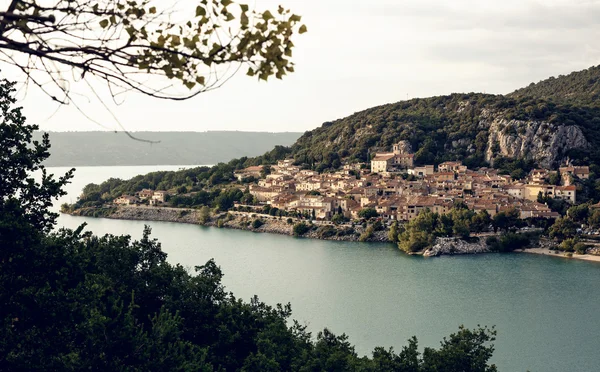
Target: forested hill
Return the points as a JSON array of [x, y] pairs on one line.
[[580, 88], [542, 125], [175, 148]]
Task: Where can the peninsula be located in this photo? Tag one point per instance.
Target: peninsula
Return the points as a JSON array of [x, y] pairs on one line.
[[454, 174]]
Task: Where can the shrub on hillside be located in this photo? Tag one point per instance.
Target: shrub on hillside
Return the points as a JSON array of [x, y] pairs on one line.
[[301, 229]]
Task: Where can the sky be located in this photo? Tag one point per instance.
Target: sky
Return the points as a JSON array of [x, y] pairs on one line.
[[360, 54]]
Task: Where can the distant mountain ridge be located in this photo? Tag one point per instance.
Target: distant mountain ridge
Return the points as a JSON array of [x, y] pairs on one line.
[[175, 148]]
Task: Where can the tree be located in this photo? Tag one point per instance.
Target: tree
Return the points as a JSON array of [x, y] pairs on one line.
[[337, 218], [21, 195], [562, 228], [368, 213], [265, 171], [418, 233], [481, 221], [594, 219], [506, 219], [452, 357], [393, 233], [123, 42], [204, 215], [300, 229]]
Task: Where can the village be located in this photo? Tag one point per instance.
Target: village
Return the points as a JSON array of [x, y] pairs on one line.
[[393, 187], [398, 190]]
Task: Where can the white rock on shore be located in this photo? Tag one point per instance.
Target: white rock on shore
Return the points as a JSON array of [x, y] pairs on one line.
[[455, 246]]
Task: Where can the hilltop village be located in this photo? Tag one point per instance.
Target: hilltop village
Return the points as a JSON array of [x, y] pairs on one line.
[[398, 190]]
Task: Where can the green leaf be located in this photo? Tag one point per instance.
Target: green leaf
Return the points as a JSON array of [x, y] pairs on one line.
[[200, 80], [200, 11], [302, 29], [250, 72], [104, 23], [267, 15], [226, 3], [244, 7], [152, 10], [190, 84]]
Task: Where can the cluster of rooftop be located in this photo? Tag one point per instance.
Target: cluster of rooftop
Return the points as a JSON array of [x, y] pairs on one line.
[[399, 190]]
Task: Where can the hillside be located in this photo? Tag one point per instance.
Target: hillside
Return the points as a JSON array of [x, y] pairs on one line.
[[175, 148], [542, 125], [578, 88]]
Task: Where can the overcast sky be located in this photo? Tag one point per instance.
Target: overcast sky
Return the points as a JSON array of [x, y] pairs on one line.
[[359, 54]]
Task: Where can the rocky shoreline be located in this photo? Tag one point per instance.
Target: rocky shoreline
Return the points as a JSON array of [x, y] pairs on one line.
[[450, 246], [236, 220]]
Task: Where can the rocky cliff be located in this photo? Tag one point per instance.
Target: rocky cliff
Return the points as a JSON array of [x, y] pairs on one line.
[[545, 143]]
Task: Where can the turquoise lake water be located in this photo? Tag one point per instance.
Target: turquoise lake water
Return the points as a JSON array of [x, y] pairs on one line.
[[544, 308]]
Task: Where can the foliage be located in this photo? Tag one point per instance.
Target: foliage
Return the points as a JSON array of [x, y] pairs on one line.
[[563, 228], [368, 213], [204, 215], [21, 195], [126, 42], [367, 234], [506, 220], [300, 229], [581, 87], [508, 242], [325, 232], [594, 219], [257, 223], [579, 213], [420, 232], [393, 232], [338, 219], [555, 204]]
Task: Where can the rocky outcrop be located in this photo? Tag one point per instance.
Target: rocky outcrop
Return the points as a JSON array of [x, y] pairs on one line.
[[156, 214], [543, 142], [455, 246]]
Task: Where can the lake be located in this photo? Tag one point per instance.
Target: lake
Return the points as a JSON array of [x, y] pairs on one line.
[[544, 308]]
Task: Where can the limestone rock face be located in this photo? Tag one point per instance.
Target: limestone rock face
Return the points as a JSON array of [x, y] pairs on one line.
[[543, 142]]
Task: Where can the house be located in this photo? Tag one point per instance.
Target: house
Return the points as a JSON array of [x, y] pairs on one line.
[[392, 161], [381, 163], [158, 197], [126, 200], [423, 171], [452, 166], [146, 194], [264, 194]]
